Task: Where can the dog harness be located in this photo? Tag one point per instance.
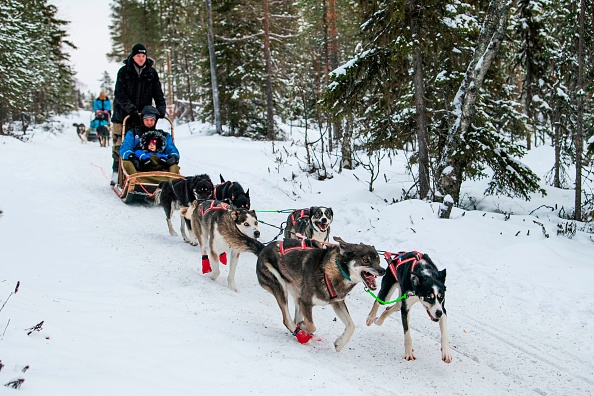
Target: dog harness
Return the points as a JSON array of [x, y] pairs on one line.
[[223, 206], [306, 244], [395, 260], [220, 186], [301, 214]]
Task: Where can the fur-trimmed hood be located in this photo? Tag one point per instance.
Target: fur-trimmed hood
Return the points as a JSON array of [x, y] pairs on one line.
[[152, 135]]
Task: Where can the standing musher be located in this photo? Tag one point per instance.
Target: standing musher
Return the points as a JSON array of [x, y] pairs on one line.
[[137, 85], [102, 103]]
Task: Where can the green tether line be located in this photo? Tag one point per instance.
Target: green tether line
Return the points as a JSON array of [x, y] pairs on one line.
[[379, 300]]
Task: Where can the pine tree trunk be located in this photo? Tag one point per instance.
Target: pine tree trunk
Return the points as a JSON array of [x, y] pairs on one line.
[[213, 70], [347, 149], [269, 102], [450, 173], [414, 8], [557, 165], [333, 55], [580, 118]]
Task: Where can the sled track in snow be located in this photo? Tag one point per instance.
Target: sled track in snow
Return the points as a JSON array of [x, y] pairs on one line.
[[567, 365]]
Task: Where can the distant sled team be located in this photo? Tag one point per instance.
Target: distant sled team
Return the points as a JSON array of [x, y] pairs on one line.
[[305, 265]]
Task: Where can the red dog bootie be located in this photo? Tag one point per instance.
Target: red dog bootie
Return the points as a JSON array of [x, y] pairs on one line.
[[206, 265], [223, 258], [302, 336]]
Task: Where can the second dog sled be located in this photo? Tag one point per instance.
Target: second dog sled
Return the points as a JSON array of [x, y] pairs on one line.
[[141, 186]]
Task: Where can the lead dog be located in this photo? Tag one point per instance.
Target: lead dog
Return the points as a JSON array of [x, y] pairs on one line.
[[417, 278], [220, 227], [316, 276], [179, 193], [312, 223]]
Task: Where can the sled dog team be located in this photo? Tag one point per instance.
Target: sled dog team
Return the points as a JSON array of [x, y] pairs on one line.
[[305, 265]]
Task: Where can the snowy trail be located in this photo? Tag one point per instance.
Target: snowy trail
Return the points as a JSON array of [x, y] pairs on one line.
[[127, 312]]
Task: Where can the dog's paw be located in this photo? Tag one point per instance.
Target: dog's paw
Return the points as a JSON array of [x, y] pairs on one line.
[[233, 287], [410, 356], [214, 275], [446, 354], [379, 321], [339, 344], [370, 320]]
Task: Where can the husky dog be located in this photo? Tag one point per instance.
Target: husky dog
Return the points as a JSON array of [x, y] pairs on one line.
[[103, 133], [81, 131], [417, 278], [232, 193], [179, 193], [316, 276], [219, 227], [312, 223]]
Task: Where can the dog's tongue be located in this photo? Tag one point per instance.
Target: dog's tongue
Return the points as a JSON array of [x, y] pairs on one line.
[[369, 280], [323, 226]]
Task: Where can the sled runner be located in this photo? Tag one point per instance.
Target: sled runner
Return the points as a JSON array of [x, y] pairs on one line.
[[141, 186]]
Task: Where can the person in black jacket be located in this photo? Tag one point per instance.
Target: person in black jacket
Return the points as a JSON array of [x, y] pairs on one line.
[[137, 85]]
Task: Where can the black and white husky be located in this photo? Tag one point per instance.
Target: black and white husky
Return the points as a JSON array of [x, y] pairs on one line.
[[179, 193], [417, 278], [311, 223], [220, 227], [313, 275]]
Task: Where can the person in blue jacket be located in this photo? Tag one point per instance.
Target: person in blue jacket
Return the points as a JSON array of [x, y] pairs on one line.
[[101, 125], [137, 152], [102, 103]]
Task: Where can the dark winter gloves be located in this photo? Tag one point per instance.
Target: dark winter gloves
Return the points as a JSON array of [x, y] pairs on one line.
[[134, 160], [134, 119], [172, 160]]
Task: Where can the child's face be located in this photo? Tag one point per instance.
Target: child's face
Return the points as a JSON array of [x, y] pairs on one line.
[[152, 146]]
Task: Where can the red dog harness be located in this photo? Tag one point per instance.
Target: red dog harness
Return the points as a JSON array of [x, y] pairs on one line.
[[302, 213], [395, 260], [223, 206]]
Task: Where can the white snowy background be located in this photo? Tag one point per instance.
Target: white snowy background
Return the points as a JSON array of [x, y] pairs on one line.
[[126, 311]]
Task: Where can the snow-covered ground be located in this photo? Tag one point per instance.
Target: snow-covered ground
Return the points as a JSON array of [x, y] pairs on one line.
[[126, 311]]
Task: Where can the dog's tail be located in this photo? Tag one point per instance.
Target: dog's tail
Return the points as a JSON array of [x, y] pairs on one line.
[[158, 192]]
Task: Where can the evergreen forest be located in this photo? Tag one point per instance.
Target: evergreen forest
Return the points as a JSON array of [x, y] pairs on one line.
[[463, 88]]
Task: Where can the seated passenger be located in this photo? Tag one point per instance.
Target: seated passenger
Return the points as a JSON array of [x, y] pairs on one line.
[[101, 125], [137, 152]]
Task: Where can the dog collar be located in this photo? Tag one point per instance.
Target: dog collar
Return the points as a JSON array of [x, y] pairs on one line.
[[342, 272]]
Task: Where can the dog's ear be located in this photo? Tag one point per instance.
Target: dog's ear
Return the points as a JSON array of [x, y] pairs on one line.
[[344, 246], [441, 275], [222, 180], [235, 215], [247, 193], [415, 279]]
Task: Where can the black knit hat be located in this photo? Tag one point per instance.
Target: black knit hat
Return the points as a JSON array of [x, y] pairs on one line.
[[150, 111], [138, 49]]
